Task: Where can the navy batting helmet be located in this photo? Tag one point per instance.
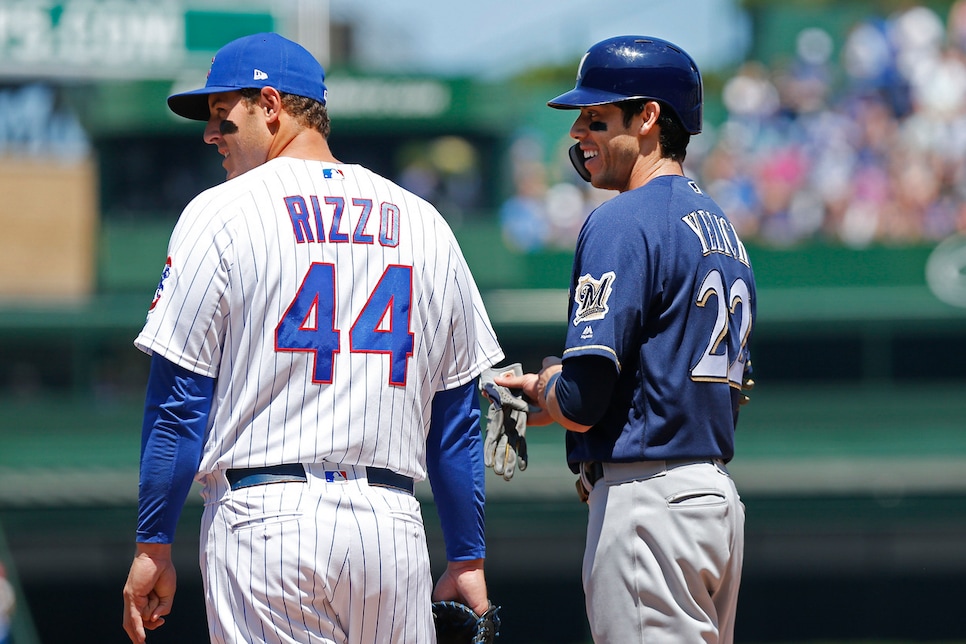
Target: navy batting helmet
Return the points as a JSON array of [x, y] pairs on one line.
[[638, 67]]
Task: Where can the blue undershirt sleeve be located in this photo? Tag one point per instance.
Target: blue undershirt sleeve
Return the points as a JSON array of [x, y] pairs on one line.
[[172, 434], [584, 388], [454, 460]]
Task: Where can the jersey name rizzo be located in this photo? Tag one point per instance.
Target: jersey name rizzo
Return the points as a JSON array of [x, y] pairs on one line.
[[310, 227], [717, 235]]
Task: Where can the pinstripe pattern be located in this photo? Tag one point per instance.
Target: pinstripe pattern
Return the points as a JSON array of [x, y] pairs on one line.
[[330, 305], [236, 266], [362, 576]]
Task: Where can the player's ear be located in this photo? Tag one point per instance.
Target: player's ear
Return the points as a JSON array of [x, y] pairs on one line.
[[650, 114], [270, 101]]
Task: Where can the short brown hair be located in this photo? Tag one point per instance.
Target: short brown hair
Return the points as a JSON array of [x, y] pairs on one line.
[[307, 112], [674, 138]]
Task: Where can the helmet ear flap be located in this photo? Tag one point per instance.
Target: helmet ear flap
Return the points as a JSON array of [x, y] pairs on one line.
[[580, 165]]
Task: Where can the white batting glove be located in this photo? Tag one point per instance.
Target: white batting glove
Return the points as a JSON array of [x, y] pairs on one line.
[[505, 444]]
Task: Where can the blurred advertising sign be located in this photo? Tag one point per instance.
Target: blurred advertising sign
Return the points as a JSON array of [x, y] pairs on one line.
[[117, 39]]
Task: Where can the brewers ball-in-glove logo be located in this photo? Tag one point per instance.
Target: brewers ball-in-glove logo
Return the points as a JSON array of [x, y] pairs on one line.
[[591, 297]]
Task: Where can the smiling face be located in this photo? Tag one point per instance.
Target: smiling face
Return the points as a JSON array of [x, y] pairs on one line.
[[610, 148], [239, 131]]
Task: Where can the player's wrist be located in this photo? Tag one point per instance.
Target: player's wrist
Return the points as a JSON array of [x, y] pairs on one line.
[[551, 383], [546, 382], [465, 565], [153, 550]]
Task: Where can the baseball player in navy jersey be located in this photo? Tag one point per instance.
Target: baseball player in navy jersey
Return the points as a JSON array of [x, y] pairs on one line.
[[650, 380], [316, 339]]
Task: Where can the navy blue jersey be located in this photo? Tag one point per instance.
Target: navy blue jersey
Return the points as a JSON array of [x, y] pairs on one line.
[[663, 287]]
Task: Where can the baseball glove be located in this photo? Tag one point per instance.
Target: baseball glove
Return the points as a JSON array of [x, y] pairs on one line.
[[505, 444], [456, 623]]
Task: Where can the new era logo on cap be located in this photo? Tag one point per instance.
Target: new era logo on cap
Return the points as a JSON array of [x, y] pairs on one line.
[[252, 62]]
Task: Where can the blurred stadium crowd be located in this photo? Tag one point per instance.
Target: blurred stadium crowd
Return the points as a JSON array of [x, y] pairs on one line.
[[857, 142]]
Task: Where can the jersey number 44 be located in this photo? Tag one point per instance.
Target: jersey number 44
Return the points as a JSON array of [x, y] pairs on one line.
[[382, 326]]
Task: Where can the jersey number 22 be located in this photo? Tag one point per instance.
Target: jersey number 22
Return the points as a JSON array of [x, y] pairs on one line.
[[716, 365]]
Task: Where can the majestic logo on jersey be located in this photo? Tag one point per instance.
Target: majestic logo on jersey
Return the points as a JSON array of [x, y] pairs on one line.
[[164, 276], [591, 297], [587, 333]]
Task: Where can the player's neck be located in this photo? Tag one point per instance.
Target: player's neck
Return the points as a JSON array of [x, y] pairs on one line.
[[649, 168], [300, 143]]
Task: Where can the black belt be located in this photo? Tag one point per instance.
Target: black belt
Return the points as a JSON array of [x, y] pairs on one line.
[[252, 476], [387, 478], [294, 472], [593, 470]]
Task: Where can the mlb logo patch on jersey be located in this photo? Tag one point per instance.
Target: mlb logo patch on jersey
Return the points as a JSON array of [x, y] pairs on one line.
[[336, 476], [333, 173]]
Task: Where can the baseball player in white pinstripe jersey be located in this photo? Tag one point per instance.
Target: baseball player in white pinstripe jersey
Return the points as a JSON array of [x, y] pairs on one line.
[[315, 338]]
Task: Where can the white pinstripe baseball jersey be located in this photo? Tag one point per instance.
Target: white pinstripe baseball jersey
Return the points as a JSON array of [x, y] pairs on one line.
[[330, 304]]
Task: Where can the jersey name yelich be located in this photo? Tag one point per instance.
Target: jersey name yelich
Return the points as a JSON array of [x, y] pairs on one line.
[[717, 235]]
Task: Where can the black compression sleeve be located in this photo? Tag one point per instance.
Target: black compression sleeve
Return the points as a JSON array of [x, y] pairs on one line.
[[584, 388]]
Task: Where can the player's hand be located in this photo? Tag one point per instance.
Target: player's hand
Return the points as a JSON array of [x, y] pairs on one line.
[[149, 591], [534, 387], [529, 384], [463, 581]]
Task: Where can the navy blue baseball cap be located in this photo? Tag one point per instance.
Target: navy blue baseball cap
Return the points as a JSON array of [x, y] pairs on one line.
[[259, 60]]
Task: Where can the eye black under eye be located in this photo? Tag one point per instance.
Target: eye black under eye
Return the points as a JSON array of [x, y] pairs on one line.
[[597, 126]]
